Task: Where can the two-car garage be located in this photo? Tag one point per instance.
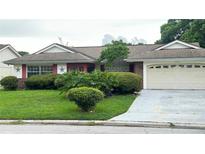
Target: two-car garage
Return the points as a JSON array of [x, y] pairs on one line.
[[175, 76]]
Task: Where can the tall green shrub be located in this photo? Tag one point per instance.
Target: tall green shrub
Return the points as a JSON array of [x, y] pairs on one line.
[[9, 83], [127, 82], [100, 80]]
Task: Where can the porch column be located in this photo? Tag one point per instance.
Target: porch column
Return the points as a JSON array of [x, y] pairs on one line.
[[24, 72], [54, 69]]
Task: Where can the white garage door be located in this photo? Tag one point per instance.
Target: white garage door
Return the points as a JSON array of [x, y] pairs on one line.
[[176, 76]]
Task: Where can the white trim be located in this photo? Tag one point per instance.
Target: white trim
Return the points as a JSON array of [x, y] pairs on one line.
[[167, 59], [51, 46], [144, 76], [12, 49], [39, 69], [180, 42], [59, 66]]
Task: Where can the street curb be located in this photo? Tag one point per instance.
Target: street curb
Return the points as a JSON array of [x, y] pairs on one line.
[[106, 123]]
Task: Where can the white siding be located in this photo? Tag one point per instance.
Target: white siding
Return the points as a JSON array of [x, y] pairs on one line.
[[6, 70], [54, 50], [177, 46]]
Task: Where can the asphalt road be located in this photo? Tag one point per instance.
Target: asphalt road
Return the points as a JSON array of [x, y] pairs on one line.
[[68, 129]]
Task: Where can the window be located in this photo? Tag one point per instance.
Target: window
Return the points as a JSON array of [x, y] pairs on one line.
[[38, 70], [151, 67], [165, 66], [46, 69], [73, 67], [197, 66], [189, 66], [158, 67], [181, 66], [173, 66]]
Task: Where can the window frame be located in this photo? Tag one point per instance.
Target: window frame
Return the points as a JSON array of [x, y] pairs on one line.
[[39, 71]]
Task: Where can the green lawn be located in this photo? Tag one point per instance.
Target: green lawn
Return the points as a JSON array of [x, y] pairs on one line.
[[48, 104]]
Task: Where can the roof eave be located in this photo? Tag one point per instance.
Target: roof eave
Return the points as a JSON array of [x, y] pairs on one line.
[[46, 62], [164, 59]]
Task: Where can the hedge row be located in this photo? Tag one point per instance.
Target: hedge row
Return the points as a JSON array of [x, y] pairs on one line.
[[41, 82], [108, 82]]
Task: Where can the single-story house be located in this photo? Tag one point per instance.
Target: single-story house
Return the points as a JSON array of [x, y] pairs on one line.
[[7, 52], [176, 65]]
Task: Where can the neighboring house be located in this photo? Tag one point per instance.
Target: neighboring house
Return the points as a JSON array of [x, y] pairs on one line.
[[7, 52], [176, 65]]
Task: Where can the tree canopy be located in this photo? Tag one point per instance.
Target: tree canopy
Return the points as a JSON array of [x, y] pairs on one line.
[[113, 51], [188, 30]]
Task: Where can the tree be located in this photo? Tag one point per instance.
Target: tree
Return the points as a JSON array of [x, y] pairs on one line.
[[23, 53], [115, 50], [188, 30]]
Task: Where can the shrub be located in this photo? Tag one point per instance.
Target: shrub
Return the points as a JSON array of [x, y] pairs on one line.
[[9, 83], [85, 97], [100, 80], [60, 81], [41, 82], [127, 82], [70, 80]]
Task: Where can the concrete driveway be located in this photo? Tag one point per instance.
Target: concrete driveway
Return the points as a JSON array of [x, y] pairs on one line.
[[175, 106]]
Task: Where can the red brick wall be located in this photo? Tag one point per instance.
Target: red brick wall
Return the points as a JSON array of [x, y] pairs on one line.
[[21, 83], [84, 66], [24, 72], [54, 69]]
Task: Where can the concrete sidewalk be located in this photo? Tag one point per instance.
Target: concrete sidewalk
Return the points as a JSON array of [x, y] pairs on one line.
[[73, 129], [105, 123]]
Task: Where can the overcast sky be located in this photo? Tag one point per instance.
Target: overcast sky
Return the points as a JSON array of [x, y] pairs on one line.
[[32, 35]]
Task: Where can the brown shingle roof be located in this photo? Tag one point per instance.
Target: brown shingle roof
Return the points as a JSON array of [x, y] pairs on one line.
[[96, 50], [160, 54], [147, 51], [3, 46], [90, 54], [62, 57]]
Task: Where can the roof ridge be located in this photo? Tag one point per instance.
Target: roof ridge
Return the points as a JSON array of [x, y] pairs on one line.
[[72, 49], [104, 45]]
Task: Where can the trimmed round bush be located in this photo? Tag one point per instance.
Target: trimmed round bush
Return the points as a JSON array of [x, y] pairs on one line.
[[127, 82], [86, 98], [41, 82], [9, 83]]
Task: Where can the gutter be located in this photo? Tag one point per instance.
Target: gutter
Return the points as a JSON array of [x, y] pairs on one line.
[[165, 59]]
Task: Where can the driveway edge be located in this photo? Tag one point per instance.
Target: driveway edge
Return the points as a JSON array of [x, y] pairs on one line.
[[106, 123]]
